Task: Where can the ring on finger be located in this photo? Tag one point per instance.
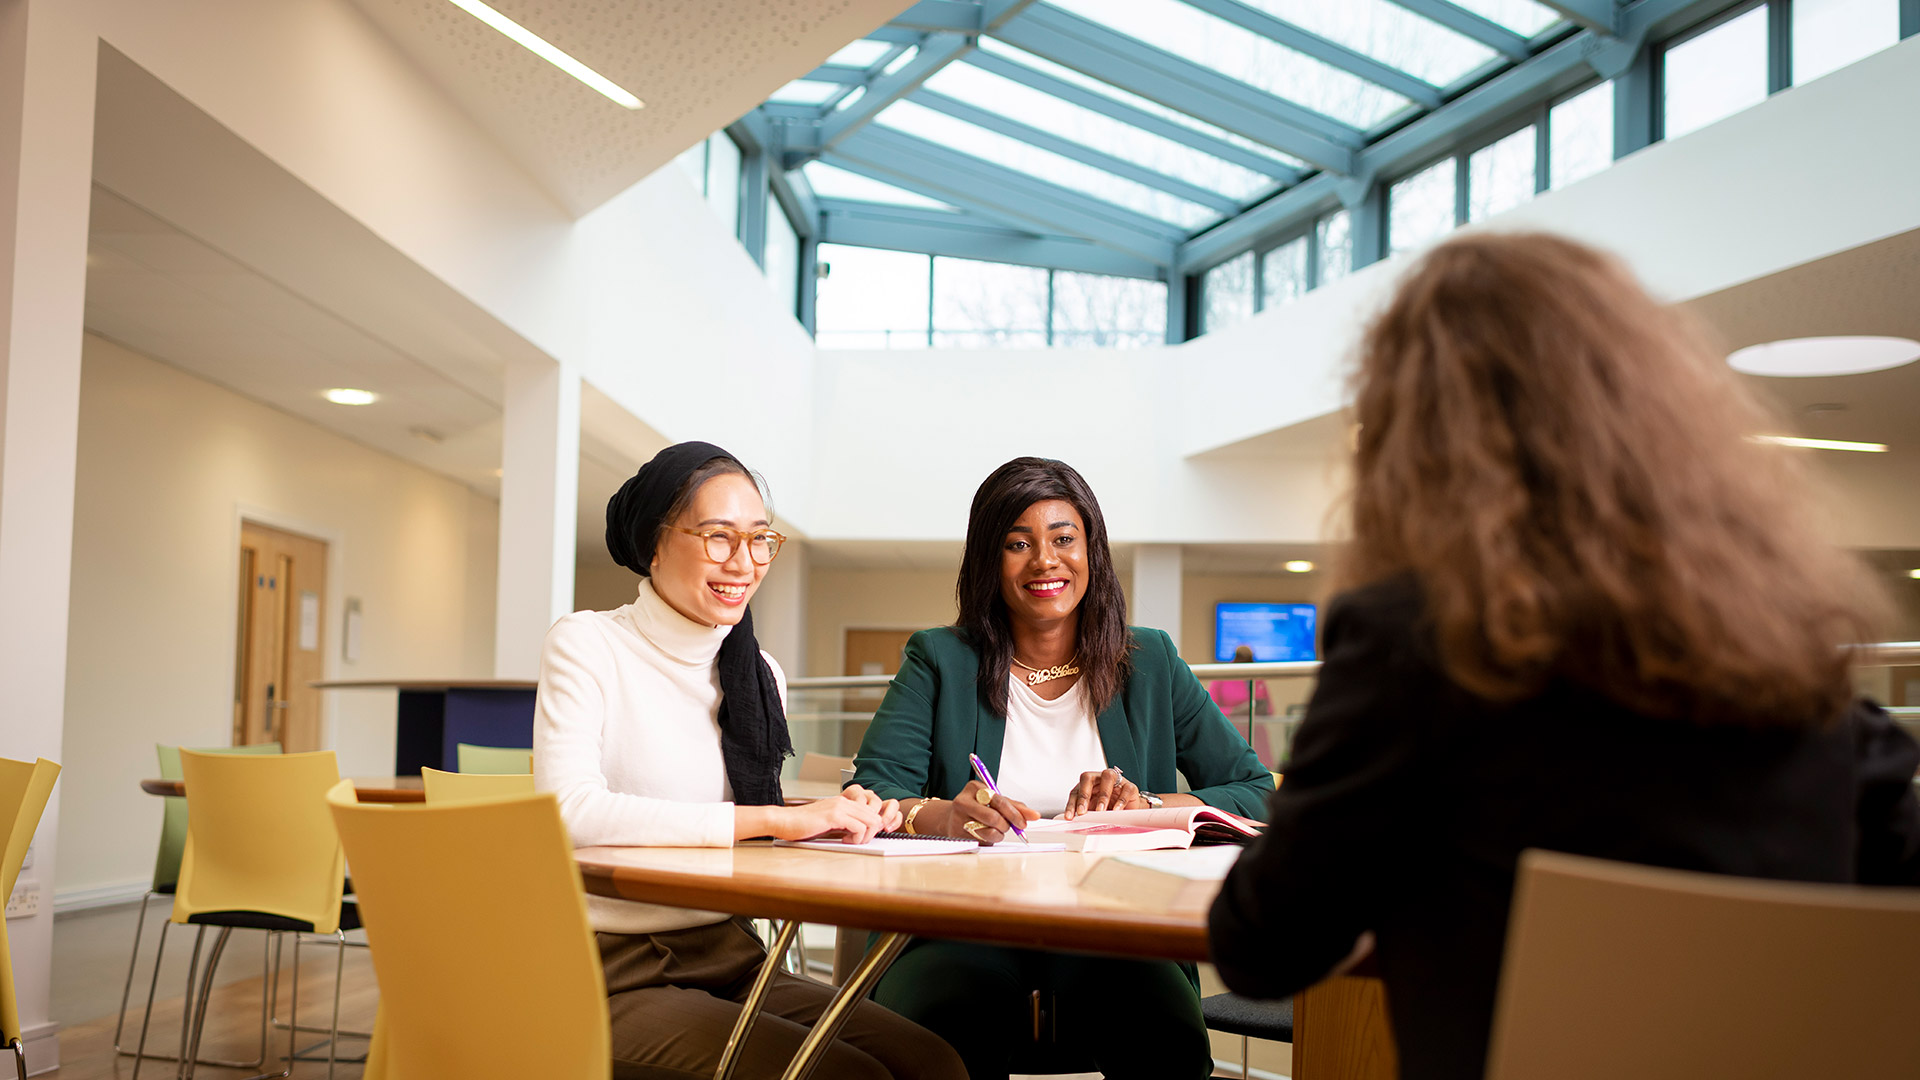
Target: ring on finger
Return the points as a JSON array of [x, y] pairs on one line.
[[972, 828], [983, 795]]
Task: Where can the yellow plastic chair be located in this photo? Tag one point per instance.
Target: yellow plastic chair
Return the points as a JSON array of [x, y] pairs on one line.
[[497, 760], [479, 926], [447, 787], [24, 789], [166, 872], [1614, 970], [261, 854]]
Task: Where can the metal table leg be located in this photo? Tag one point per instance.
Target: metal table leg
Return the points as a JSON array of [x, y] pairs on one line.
[[827, 1028], [750, 1009]]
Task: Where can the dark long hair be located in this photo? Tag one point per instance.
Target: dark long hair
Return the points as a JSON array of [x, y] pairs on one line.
[[1564, 465], [1105, 646]]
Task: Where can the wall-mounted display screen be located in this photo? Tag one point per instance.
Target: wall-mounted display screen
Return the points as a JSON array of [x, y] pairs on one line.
[[1275, 631]]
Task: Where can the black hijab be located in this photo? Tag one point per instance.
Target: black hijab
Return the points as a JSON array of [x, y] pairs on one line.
[[753, 726]]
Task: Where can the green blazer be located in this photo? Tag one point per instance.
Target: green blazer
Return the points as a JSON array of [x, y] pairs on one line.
[[934, 716]]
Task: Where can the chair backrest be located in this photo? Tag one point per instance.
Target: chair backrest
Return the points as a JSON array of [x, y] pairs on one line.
[[446, 787], [822, 767], [173, 813], [24, 788], [259, 837], [497, 760], [1614, 970], [479, 927]]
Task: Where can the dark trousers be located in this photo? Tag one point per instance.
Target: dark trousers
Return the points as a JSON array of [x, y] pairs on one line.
[[1131, 1018], [673, 998]]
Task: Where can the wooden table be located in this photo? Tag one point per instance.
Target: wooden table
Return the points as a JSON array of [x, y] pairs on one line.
[[1028, 901], [383, 789]]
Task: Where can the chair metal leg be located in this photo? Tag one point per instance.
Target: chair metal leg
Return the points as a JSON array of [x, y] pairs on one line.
[[19, 1057], [827, 1027], [159, 954], [186, 1004], [756, 997], [126, 992], [190, 1057], [339, 974]]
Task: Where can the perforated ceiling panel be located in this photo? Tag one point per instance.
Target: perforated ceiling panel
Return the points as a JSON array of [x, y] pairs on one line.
[[697, 64]]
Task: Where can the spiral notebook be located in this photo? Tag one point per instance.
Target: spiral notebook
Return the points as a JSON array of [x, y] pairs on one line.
[[899, 843]]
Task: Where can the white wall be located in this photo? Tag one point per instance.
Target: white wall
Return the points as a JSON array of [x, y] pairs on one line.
[[167, 465]]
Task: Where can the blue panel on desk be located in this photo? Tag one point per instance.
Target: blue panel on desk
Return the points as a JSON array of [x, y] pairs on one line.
[[485, 718]]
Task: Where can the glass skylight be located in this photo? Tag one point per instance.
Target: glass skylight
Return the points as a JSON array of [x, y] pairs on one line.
[[1520, 16], [804, 92], [831, 183], [1087, 82], [1388, 33], [986, 90], [991, 146], [1241, 54], [901, 61], [861, 53]]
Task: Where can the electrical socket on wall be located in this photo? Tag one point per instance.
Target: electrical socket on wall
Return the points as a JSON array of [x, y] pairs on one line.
[[25, 900]]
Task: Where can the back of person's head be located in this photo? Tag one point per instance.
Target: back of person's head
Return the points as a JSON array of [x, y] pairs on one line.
[[1565, 467], [1243, 654]]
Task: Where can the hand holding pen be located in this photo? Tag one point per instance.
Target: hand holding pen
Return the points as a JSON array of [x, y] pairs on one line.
[[986, 795]]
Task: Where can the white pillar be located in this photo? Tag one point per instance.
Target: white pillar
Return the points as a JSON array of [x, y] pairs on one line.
[[780, 609], [1156, 588], [539, 493], [47, 70]]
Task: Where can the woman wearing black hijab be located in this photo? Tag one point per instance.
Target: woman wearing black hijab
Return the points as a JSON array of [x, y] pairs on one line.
[[661, 723]]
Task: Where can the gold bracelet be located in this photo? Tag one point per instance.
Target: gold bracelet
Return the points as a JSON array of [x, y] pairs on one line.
[[911, 814]]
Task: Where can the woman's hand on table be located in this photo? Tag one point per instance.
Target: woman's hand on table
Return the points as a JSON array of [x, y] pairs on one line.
[[1106, 789], [889, 808], [966, 817], [855, 818]]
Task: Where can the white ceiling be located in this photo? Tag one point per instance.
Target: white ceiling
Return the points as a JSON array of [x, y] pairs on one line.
[[697, 66]]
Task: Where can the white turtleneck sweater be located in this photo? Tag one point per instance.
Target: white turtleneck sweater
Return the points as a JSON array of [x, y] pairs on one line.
[[626, 734]]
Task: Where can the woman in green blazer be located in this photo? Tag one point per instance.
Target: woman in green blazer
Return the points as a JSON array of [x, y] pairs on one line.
[[1072, 711]]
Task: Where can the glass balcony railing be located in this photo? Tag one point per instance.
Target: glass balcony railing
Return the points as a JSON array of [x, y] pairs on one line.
[[1264, 702]]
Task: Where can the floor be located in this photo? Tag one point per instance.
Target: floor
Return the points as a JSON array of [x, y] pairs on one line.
[[90, 972]]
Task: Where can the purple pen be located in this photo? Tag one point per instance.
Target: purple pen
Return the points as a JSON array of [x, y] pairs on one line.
[[980, 770]]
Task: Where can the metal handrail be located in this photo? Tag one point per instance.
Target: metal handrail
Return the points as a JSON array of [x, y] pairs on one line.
[[1883, 654]]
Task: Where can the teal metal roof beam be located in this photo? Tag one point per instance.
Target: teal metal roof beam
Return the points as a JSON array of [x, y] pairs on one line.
[[1281, 32], [940, 16], [936, 52], [1004, 194], [1140, 118], [1182, 85], [962, 236], [1047, 140], [1461, 21], [1599, 16], [1558, 68], [838, 73]]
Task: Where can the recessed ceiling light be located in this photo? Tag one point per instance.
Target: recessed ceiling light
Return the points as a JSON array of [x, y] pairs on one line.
[[539, 46], [1823, 444], [1299, 566], [1799, 358], [1914, 573], [347, 395]]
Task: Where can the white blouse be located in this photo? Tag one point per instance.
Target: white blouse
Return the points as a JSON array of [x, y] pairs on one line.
[[1048, 745], [626, 733]]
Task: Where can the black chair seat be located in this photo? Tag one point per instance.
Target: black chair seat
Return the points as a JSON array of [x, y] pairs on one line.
[[1252, 1017], [260, 920]]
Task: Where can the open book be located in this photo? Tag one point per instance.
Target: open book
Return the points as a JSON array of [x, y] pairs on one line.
[[1143, 830], [1167, 879]]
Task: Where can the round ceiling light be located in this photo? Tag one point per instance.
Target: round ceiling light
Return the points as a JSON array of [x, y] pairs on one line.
[[347, 395], [1299, 566], [1800, 358]]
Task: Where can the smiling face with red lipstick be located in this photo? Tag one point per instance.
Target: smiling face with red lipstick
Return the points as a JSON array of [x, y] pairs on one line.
[[1043, 567]]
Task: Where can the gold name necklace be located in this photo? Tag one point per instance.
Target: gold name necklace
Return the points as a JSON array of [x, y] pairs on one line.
[[1036, 676]]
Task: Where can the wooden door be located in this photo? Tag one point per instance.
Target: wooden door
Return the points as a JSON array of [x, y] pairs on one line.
[[282, 627], [869, 652]]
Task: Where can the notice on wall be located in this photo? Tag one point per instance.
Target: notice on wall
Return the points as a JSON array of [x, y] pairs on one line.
[[350, 640], [309, 621]]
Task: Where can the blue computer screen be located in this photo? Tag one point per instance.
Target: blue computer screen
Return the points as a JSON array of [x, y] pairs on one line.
[[1276, 631]]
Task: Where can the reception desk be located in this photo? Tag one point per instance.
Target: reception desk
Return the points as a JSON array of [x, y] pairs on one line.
[[436, 716]]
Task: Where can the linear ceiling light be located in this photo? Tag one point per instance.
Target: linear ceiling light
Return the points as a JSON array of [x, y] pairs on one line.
[[347, 395], [1823, 444], [539, 46]]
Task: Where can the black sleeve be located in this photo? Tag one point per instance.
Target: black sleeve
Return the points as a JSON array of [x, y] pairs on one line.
[[1295, 903], [1889, 813]]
